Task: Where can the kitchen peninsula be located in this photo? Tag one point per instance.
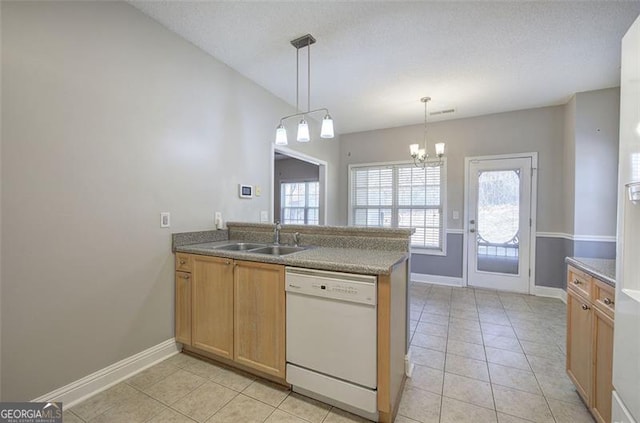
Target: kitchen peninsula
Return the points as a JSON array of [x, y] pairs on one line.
[[235, 304]]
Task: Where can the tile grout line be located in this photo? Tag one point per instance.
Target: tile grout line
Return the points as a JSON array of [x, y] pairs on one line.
[[484, 347]]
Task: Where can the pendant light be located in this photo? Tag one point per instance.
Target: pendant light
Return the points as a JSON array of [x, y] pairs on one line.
[[419, 155], [303, 135]]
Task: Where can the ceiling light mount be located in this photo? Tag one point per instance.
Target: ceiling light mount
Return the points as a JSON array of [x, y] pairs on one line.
[[419, 155], [326, 130]]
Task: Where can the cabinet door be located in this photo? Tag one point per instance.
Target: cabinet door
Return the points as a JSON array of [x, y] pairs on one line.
[[602, 366], [579, 343], [183, 308], [212, 303], [260, 317]]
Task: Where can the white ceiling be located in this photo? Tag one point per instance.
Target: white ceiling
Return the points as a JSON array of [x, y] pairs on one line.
[[374, 60]]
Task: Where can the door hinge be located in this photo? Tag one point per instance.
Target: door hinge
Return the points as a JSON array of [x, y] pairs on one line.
[[529, 272], [530, 222]]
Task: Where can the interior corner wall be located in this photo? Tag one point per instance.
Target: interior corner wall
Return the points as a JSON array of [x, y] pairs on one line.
[[569, 165], [291, 170], [597, 123], [109, 119]]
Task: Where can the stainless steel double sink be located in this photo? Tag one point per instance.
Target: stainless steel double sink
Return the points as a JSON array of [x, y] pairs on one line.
[[268, 249]]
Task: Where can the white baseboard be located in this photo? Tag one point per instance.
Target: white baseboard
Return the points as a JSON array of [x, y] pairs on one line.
[[436, 279], [545, 291], [96, 382]]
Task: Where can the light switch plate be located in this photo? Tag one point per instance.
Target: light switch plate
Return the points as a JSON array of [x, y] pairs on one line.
[[264, 216], [456, 215], [165, 219]]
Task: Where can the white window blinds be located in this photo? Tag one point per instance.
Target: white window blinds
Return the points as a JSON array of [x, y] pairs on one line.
[[400, 196]]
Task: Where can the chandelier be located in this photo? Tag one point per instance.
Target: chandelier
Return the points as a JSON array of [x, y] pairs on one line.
[[419, 155], [326, 130]]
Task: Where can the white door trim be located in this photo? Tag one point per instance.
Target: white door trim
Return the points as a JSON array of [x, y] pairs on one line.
[[534, 208], [323, 172]]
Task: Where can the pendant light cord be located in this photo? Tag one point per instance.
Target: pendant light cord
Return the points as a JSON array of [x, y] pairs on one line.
[[297, 80], [425, 125], [308, 76]]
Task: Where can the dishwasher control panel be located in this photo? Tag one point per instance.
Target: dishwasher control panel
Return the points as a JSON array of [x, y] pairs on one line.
[[332, 285]]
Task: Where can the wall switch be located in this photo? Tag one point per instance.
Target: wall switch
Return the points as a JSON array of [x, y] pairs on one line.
[[258, 190], [165, 219], [456, 215], [264, 216]]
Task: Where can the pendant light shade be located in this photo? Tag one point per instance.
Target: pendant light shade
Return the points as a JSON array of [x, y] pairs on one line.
[[303, 131], [440, 149], [327, 127], [281, 135]]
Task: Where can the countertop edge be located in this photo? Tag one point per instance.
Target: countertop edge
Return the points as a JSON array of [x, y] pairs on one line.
[[292, 260], [585, 267]]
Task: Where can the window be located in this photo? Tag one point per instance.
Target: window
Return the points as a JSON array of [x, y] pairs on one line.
[[400, 196], [299, 203]]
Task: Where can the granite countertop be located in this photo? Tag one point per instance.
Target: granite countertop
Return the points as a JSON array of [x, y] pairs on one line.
[[354, 260], [603, 269]]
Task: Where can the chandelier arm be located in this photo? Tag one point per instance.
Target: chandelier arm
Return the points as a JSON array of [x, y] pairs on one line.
[[322, 109]]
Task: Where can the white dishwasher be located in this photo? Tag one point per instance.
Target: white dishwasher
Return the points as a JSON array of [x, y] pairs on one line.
[[332, 338]]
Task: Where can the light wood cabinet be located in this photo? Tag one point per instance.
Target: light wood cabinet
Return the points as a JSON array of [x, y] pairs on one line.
[[602, 366], [183, 307], [590, 326], [212, 305], [579, 341], [234, 310], [259, 302]]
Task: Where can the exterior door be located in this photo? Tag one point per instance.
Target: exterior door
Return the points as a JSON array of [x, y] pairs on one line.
[[499, 223]]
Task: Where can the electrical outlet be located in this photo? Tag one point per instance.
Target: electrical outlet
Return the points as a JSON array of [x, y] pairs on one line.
[[165, 219], [264, 216]]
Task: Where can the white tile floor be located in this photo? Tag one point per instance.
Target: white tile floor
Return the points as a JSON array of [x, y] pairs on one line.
[[480, 356]]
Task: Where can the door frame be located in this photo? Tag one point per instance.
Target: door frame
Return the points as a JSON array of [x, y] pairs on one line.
[[322, 176], [533, 213]]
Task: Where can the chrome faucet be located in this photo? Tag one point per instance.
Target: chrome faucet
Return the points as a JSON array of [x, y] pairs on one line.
[[276, 233], [296, 239]]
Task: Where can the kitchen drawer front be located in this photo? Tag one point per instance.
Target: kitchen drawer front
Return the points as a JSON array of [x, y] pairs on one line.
[[184, 263], [604, 297], [580, 282]]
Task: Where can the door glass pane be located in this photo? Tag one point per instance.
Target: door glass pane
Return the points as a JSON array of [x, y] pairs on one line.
[[498, 220]]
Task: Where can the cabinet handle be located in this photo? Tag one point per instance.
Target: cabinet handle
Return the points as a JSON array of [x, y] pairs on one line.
[[585, 307], [576, 282], [182, 261], [608, 301], [227, 262]]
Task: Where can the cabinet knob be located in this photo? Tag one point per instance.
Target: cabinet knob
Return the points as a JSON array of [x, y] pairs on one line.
[[608, 301], [182, 261], [585, 307], [185, 276], [576, 282], [227, 262]]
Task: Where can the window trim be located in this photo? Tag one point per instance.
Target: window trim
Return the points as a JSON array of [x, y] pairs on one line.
[[443, 200], [305, 181]]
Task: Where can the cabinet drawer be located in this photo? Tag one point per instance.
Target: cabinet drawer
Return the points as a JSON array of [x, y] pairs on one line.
[[184, 262], [604, 297], [579, 282]]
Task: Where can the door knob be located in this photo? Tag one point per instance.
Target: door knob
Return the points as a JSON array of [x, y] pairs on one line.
[[472, 221], [472, 230]]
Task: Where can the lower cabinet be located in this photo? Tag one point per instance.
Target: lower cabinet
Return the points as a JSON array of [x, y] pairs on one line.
[[212, 305], [579, 342], [232, 309], [260, 317], [590, 341]]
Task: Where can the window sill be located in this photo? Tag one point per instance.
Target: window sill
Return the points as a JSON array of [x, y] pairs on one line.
[[427, 251]]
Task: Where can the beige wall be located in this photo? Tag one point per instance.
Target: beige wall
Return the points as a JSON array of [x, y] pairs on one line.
[[535, 130], [110, 119]]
